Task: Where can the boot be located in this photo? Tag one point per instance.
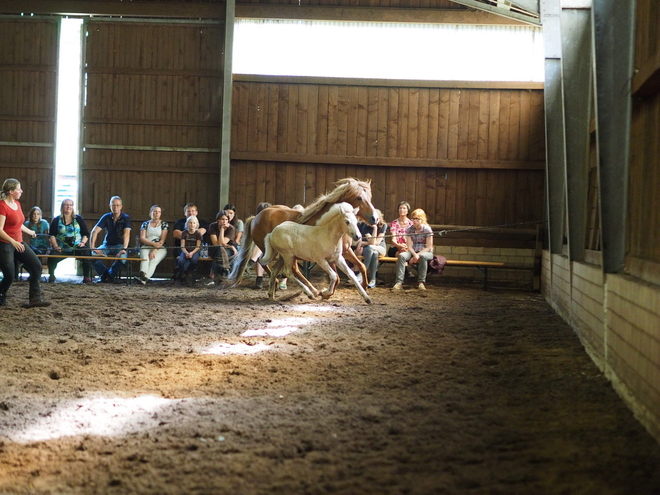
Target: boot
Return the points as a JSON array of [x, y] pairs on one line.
[[36, 301]]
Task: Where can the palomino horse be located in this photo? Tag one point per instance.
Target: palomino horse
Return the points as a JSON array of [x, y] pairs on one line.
[[355, 192], [321, 244]]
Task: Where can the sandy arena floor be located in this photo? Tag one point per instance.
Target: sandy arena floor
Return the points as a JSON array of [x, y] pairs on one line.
[[168, 390]]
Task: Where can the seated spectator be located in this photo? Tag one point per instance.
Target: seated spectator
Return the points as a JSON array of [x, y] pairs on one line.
[[398, 229], [235, 222], [40, 242], [117, 227], [191, 242], [419, 240], [223, 244], [69, 235], [180, 225], [153, 234], [373, 245]]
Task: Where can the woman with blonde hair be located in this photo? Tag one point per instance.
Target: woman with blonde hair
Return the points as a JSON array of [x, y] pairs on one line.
[[69, 235], [419, 243], [12, 247]]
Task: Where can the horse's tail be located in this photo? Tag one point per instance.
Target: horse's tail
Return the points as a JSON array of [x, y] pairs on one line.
[[270, 253], [241, 260]]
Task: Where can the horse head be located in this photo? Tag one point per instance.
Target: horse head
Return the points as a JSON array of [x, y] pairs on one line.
[[358, 194], [355, 192], [350, 226]]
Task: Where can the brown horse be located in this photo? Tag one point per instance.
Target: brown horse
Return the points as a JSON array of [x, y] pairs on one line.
[[353, 191]]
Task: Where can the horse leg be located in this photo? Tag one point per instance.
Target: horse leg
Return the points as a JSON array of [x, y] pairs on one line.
[[272, 283], [309, 289], [341, 262], [349, 255], [327, 267]]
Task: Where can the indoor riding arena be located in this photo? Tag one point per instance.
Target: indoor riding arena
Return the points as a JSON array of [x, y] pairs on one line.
[[530, 364]]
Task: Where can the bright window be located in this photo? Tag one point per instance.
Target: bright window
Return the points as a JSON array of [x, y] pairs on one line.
[[388, 50]]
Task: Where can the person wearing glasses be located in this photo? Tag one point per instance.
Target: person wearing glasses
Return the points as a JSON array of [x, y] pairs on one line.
[[117, 226], [419, 243]]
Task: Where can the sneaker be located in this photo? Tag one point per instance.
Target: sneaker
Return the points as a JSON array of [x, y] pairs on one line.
[[140, 279], [421, 286], [398, 286], [282, 286], [371, 284]]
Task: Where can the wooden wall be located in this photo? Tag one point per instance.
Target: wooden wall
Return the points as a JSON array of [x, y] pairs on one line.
[[644, 231], [28, 82], [466, 156], [152, 117]]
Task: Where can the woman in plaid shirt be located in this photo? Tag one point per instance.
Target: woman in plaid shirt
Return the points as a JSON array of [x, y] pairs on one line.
[[419, 239]]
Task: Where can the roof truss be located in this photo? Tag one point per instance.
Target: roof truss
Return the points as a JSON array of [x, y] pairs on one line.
[[520, 10]]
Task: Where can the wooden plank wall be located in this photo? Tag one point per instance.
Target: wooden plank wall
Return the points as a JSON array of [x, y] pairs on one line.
[[152, 118], [466, 156], [644, 201], [28, 84]]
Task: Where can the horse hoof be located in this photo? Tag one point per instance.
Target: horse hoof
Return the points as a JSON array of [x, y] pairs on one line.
[[369, 301]]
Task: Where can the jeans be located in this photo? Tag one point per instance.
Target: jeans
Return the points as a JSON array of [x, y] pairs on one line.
[[370, 254], [185, 265], [8, 257], [422, 266], [115, 268]]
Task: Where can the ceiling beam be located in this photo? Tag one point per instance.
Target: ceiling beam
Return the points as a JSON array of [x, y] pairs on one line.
[[369, 14], [504, 9]]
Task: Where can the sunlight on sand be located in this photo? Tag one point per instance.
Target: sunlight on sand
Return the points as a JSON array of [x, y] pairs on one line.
[[279, 328], [94, 416]]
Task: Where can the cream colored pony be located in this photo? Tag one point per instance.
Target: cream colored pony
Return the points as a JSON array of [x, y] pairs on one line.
[[321, 244]]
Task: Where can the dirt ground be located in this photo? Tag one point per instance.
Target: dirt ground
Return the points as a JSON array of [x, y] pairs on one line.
[[121, 389]]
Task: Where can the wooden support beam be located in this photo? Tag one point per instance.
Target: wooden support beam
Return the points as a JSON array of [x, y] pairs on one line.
[[382, 161], [368, 14]]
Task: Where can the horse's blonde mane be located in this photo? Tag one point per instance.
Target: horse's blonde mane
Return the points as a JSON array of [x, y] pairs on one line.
[[348, 187], [335, 210]]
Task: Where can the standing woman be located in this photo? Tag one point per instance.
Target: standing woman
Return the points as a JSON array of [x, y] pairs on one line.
[[419, 240], [13, 248], [35, 221], [152, 237], [398, 229], [69, 235]]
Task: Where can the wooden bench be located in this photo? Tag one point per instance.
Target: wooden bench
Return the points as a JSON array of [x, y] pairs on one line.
[[114, 258], [482, 266]]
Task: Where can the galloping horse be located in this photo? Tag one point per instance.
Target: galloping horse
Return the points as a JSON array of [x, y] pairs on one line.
[[353, 191], [320, 243]]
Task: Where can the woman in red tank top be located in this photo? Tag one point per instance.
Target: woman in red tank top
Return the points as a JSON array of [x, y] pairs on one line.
[[12, 247]]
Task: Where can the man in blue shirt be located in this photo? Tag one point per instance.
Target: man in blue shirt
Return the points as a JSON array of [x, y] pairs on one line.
[[117, 226]]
